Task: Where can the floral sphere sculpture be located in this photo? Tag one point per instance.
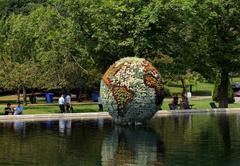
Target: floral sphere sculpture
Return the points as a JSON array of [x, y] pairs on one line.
[[131, 90]]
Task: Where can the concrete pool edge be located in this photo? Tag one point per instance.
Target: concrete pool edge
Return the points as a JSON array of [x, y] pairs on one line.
[[56, 116], [105, 115]]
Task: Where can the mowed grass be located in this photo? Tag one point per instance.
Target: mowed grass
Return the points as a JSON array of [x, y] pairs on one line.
[[53, 108], [46, 108], [198, 89], [93, 107], [236, 79], [200, 104]]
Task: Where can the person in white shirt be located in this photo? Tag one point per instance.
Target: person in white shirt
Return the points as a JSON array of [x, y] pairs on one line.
[[61, 103], [68, 102]]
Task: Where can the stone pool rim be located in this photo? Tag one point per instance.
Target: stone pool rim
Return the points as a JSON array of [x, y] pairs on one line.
[[105, 115]]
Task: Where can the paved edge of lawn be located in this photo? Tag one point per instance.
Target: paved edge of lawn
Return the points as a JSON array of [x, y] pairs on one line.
[[56, 116], [105, 115], [163, 113]]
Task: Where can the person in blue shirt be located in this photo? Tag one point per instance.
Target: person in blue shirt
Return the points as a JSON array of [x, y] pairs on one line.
[[18, 109], [67, 101]]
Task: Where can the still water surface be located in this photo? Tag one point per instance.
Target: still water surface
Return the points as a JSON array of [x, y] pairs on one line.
[[175, 140]]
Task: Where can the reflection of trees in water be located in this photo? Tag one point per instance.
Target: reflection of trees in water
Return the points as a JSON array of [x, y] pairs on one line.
[[42, 145], [183, 120], [1, 128], [225, 132], [137, 146], [17, 127], [191, 139], [238, 120], [86, 141], [11, 142]]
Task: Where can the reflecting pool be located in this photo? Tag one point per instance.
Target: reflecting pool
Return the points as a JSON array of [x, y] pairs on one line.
[[175, 140]]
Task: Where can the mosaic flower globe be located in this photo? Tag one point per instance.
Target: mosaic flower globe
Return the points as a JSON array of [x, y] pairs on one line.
[[131, 90]]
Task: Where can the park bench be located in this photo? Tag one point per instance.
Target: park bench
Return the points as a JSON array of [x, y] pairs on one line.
[[213, 105], [172, 107]]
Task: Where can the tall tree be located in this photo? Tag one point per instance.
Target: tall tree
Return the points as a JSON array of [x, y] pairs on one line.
[[216, 27]]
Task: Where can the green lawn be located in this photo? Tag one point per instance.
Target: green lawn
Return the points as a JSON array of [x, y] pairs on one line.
[[53, 108], [236, 79], [198, 89], [43, 108], [81, 107], [200, 104]]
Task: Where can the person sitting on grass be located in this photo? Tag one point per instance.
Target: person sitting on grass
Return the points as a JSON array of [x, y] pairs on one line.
[[175, 101], [18, 109], [8, 110]]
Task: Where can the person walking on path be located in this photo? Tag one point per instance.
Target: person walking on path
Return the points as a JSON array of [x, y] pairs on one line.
[[18, 109], [68, 102], [61, 103]]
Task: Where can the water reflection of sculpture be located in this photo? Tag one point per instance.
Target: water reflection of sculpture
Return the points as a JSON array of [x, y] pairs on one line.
[[185, 120], [132, 90], [134, 146]]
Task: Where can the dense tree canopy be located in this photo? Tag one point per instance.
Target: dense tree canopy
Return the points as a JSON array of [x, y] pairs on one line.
[[54, 44], [216, 27]]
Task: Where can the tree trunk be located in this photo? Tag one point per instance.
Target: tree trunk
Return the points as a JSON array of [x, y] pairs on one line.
[[183, 86], [78, 95], [18, 94], [24, 96], [223, 90]]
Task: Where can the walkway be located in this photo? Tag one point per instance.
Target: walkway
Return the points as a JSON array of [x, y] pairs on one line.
[[105, 115]]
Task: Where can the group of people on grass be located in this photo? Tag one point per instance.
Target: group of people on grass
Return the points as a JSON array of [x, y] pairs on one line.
[[64, 103], [183, 104], [9, 110]]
